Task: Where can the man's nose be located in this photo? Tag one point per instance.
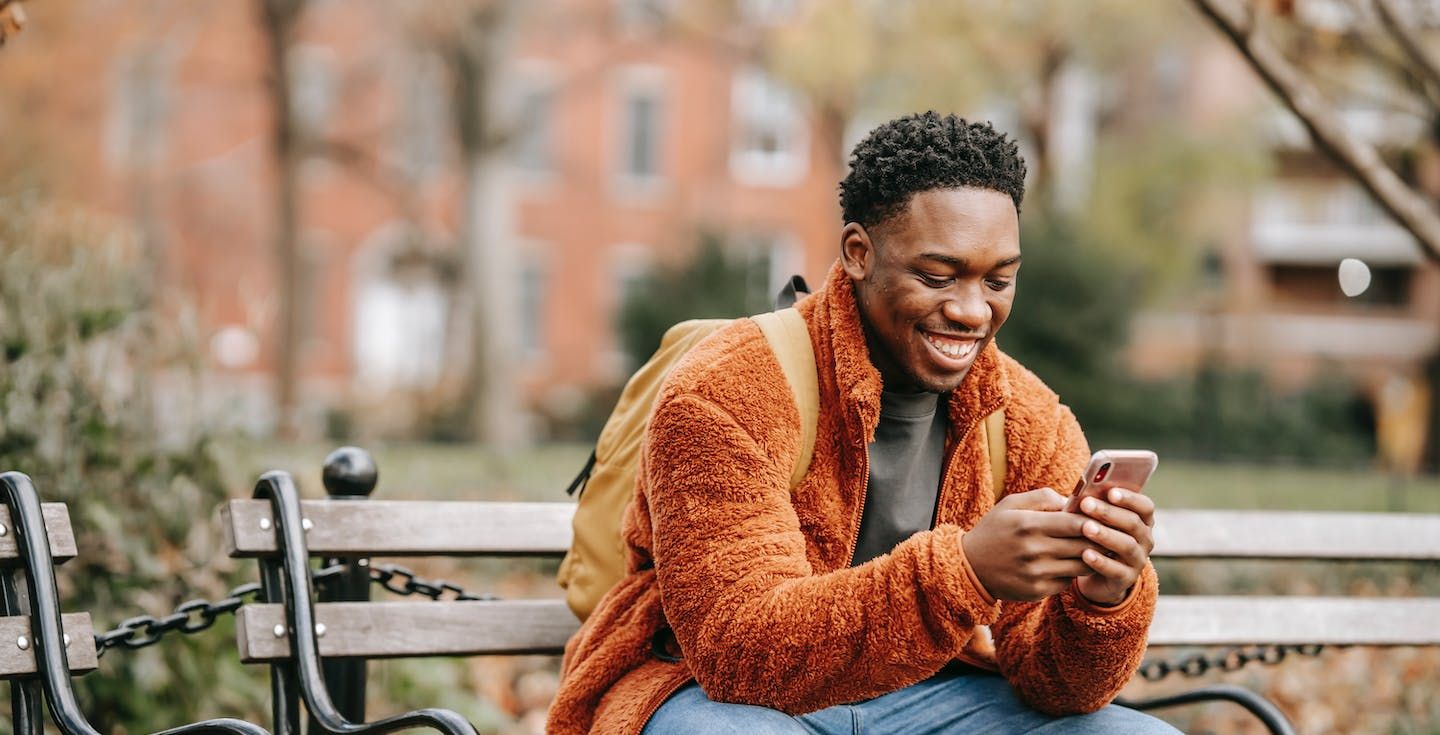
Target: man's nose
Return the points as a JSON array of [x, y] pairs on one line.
[[967, 307]]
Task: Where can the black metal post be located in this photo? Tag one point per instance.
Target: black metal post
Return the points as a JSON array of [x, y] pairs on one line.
[[350, 474]]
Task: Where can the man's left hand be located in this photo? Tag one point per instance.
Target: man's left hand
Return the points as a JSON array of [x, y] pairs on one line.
[[1120, 523]]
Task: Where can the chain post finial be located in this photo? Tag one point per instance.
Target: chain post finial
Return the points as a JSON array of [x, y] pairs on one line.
[[350, 472]]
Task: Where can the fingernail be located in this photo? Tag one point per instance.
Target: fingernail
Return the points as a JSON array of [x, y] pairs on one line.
[[1089, 555], [1091, 528], [1087, 505], [1116, 495]]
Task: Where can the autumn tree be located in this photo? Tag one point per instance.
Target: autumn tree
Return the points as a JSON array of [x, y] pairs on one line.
[[1392, 41]]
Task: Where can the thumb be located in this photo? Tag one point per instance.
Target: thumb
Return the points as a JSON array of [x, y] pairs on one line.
[[1039, 499]]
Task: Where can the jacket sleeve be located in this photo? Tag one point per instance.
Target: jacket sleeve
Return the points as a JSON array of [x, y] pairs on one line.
[[1064, 654], [755, 622]]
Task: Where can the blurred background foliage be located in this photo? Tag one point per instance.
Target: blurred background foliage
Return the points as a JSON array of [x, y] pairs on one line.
[[76, 414]]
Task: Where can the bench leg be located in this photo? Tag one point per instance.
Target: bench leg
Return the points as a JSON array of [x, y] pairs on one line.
[[1262, 708]]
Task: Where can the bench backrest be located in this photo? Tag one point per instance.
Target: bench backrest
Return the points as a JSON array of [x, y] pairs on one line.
[[18, 660], [374, 528]]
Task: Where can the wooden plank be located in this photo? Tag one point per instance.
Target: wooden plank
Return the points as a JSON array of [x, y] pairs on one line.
[[57, 526], [1185, 620], [475, 528], [1296, 535], [394, 629], [16, 661], [407, 528]]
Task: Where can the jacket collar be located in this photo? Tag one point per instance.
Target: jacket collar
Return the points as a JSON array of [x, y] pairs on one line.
[[836, 316]]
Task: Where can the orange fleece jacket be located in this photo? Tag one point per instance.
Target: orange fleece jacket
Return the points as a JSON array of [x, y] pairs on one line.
[[755, 580]]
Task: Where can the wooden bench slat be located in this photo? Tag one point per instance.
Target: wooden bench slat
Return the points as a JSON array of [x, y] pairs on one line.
[[57, 525], [1184, 620], [464, 528], [408, 528], [15, 661], [394, 629], [1296, 535]]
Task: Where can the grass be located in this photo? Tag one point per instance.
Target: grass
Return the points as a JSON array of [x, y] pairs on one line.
[[454, 472]]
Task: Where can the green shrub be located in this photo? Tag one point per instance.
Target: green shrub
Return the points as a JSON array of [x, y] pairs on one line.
[[80, 350]]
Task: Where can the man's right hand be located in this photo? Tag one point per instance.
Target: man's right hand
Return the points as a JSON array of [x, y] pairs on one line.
[[1026, 548]]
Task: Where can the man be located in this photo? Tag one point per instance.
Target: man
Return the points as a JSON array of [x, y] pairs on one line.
[[858, 602]]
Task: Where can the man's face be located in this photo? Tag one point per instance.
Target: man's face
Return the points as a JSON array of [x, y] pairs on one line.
[[934, 283]]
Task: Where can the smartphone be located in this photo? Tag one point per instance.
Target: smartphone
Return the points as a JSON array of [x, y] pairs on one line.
[[1127, 468]]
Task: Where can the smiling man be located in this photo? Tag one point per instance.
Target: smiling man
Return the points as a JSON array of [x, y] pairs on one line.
[[866, 599]]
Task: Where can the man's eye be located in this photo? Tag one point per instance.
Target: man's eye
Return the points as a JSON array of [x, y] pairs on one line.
[[998, 284], [935, 281]]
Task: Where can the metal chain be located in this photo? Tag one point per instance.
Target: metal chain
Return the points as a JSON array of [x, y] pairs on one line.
[[197, 615], [386, 575], [190, 617], [1232, 659]]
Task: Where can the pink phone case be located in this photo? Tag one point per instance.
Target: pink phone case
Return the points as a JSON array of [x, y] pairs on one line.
[[1127, 468]]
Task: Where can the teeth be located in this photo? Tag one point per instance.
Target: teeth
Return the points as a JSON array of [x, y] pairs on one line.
[[952, 348]]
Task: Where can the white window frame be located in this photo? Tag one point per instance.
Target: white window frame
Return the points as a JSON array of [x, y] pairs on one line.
[[649, 81], [757, 99]]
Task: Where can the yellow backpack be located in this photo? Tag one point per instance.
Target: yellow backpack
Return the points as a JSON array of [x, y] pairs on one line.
[[606, 485], [596, 560]]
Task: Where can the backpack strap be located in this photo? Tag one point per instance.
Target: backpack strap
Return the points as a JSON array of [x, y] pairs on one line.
[[789, 339], [994, 427]]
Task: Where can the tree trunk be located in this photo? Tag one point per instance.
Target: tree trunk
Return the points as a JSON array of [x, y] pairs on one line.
[[488, 406], [278, 21]]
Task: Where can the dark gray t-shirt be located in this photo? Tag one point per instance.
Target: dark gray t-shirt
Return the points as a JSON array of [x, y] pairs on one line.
[[905, 468]]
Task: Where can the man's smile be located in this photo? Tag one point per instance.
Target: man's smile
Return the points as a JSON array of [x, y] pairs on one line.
[[957, 351]]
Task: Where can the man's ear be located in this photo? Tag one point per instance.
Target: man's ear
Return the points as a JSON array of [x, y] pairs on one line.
[[857, 251]]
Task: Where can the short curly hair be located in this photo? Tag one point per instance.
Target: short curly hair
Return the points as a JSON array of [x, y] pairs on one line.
[[927, 151]]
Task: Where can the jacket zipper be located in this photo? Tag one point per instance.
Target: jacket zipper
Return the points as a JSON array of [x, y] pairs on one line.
[[859, 509], [950, 466]]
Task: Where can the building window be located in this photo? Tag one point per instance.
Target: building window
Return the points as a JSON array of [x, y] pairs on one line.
[[770, 259], [636, 15], [770, 141], [1318, 285], [312, 84], [640, 115], [424, 121], [768, 13], [533, 145], [532, 306], [140, 103]]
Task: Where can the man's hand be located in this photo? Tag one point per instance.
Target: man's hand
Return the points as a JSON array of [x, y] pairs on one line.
[[1026, 548], [1122, 527]]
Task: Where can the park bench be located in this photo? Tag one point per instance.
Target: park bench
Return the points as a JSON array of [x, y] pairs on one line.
[[41, 648], [293, 634]]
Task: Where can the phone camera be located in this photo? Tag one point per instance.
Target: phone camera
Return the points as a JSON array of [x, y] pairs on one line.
[[1102, 473]]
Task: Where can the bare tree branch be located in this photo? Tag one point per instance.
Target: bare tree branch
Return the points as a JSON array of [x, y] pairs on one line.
[[1407, 40], [1410, 209]]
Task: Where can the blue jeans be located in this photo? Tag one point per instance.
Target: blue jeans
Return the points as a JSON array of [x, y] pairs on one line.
[[946, 704]]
